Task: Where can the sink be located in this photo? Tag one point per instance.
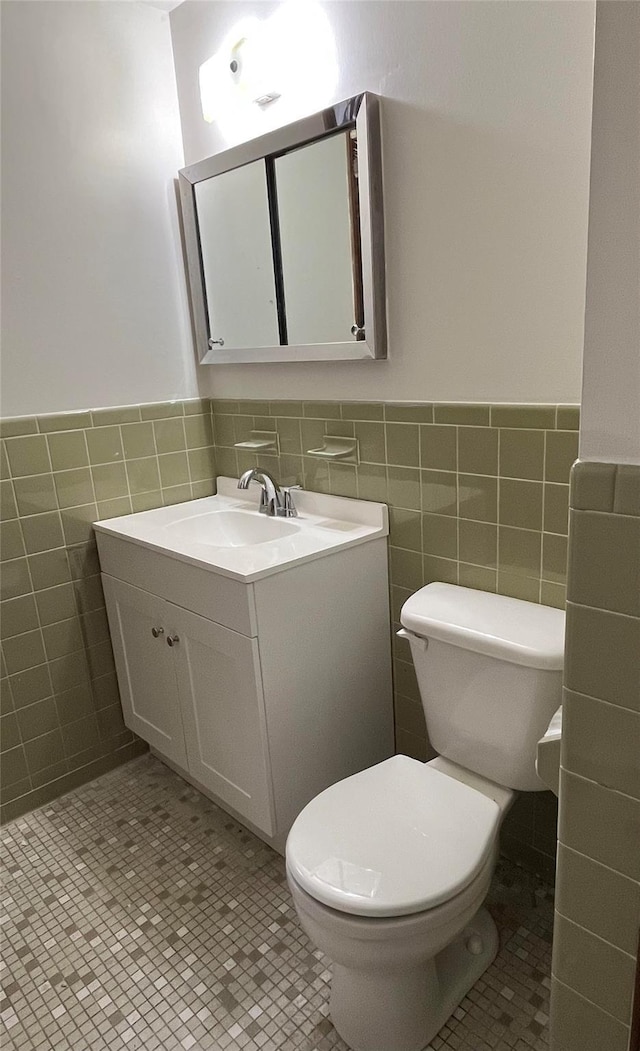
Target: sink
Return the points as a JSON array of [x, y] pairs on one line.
[[231, 528], [226, 533]]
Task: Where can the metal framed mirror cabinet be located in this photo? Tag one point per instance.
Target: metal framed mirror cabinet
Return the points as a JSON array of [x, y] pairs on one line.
[[284, 241]]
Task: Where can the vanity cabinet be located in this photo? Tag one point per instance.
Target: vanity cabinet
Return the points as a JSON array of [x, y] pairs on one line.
[[192, 688], [263, 684]]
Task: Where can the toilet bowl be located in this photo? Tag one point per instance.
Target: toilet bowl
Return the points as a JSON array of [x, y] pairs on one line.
[[389, 868], [405, 930]]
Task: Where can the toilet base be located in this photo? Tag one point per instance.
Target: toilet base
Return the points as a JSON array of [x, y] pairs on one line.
[[403, 1011]]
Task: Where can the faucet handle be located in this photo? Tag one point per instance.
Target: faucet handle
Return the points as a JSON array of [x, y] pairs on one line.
[[288, 509]]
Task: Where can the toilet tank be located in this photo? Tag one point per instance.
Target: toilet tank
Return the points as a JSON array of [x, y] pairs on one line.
[[489, 670]]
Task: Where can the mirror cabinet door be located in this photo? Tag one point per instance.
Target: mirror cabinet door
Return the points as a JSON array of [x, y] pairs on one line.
[[318, 231], [237, 260]]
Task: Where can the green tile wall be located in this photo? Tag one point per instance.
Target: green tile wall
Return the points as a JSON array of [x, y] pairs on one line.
[[598, 887], [478, 495], [61, 720]]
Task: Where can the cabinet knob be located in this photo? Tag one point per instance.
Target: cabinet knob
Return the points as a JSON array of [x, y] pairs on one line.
[[157, 632], [173, 640]]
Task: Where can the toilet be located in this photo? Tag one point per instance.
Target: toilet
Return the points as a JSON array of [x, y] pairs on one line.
[[389, 868]]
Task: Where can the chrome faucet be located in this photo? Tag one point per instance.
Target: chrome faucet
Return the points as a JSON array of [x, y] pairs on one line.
[[275, 501]]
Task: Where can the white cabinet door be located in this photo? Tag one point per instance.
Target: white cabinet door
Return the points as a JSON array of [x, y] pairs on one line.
[[145, 666], [220, 687]]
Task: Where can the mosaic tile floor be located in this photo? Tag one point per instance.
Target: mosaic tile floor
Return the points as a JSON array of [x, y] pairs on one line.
[[139, 915]]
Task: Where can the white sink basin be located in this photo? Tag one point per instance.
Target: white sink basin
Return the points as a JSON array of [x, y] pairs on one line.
[[227, 534], [231, 528]]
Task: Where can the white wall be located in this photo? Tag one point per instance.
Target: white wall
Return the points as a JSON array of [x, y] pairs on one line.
[[94, 309], [610, 419], [486, 123]]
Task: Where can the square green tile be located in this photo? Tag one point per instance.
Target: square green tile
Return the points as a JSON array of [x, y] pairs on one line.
[[479, 578], [605, 561], [49, 568], [9, 732], [143, 475], [553, 594], [406, 568], [244, 425], [89, 594], [323, 410], [75, 703], [520, 504], [64, 421], [516, 586], [23, 652], [28, 455], [42, 532], [225, 406], [554, 558], [62, 638], [68, 450], [202, 464], [343, 480], [340, 428], [478, 543], [289, 434], [95, 627], [176, 494], [146, 501], [560, 455], [362, 410], [35, 494], [198, 431], [196, 406], [14, 579], [83, 560], [69, 671], [138, 440], [13, 428], [104, 445], [4, 462], [110, 417], [57, 603], [278, 408], [100, 659], [439, 492], [74, 488], [77, 524], [13, 767], [404, 412], [519, 551], [30, 685], [592, 486], [371, 442], [556, 508], [466, 414], [538, 417], [436, 569], [478, 497], [120, 505], [438, 447], [403, 444], [224, 430], [37, 719], [109, 481], [257, 407], [44, 751], [11, 542], [440, 536], [174, 469], [170, 436], [203, 488], [18, 615], [478, 450], [163, 410], [372, 482], [568, 417], [521, 453], [227, 463], [80, 736], [403, 487], [312, 434], [405, 528]]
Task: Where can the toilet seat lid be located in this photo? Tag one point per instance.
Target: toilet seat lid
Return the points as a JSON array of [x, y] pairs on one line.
[[396, 839]]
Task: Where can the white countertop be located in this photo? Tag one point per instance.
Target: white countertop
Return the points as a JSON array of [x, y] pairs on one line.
[[324, 524]]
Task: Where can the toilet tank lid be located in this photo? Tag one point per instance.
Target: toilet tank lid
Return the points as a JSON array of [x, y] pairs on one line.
[[505, 628]]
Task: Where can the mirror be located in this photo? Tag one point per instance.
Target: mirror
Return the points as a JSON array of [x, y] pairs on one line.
[[284, 242]]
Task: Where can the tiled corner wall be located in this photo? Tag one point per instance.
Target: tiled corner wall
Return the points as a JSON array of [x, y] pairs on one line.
[[61, 720], [598, 886], [478, 495]]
